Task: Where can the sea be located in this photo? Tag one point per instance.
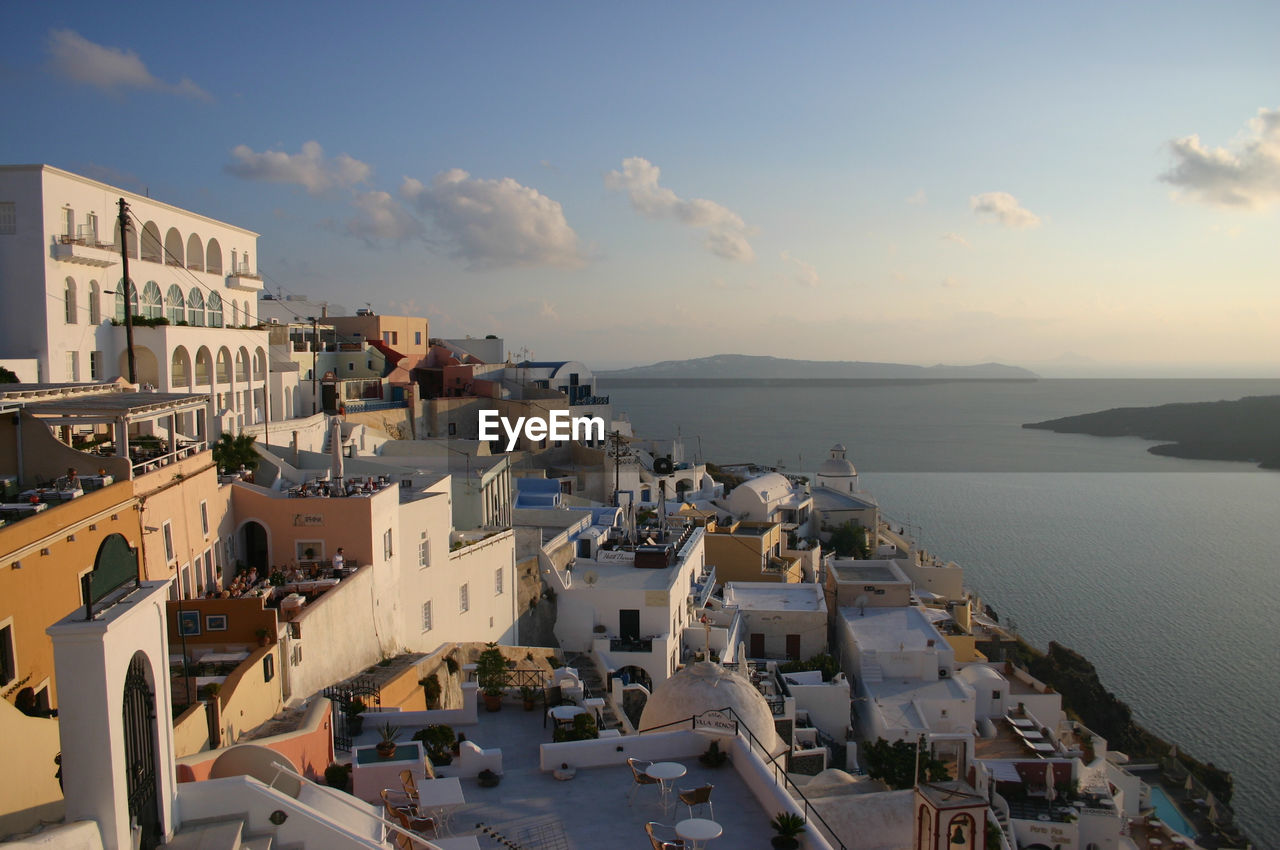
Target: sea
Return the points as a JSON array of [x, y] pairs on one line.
[[1165, 573]]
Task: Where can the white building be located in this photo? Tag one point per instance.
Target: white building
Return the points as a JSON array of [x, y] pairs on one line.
[[772, 497], [782, 620], [63, 294]]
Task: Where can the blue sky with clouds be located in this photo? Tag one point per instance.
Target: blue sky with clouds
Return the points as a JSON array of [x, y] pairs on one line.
[[1066, 186]]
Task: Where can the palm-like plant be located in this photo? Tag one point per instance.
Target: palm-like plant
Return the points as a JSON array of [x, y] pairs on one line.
[[232, 452]]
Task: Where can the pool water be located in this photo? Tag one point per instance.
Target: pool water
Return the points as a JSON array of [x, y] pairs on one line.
[[1169, 813]]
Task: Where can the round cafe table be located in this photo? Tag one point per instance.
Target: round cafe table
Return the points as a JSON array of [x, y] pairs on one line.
[[666, 772], [699, 831]]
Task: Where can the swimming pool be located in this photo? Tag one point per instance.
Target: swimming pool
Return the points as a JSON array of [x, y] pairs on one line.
[[1169, 813]]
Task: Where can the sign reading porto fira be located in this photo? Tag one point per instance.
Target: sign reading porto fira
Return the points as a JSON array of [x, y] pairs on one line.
[[558, 425]]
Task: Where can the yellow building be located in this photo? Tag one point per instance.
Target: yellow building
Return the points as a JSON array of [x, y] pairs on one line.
[[750, 551], [406, 334]]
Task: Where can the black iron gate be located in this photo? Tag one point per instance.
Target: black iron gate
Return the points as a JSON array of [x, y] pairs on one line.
[[140, 752], [362, 690]]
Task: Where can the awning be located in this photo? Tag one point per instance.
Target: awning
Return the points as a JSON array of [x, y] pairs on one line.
[[1003, 771]]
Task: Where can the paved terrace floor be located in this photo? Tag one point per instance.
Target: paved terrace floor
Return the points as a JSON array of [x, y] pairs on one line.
[[587, 812]]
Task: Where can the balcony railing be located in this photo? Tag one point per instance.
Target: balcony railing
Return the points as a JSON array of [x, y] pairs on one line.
[[588, 399], [85, 249], [631, 644]]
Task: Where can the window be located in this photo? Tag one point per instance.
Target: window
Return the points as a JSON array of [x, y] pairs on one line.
[[497, 582], [464, 599], [69, 292], [168, 541], [214, 305], [8, 661], [309, 550], [351, 366], [426, 616], [417, 337], [386, 544], [175, 305], [268, 667], [204, 518], [95, 365], [73, 365], [453, 429], [91, 228], [152, 303], [8, 218], [424, 553], [95, 303], [995, 695]]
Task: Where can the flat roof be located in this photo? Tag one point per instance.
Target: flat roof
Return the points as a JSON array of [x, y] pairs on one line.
[[117, 404], [867, 571], [892, 629], [774, 596]]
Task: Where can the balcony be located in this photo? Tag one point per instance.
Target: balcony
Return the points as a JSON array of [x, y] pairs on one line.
[[241, 277], [85, 251], [631, 644]]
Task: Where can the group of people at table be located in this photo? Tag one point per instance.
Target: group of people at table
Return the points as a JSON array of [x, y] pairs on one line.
[[248, 582]]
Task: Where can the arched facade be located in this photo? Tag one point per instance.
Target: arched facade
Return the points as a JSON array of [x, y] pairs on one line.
[[133, 299], [175, 305], [195, 308], [69, 294], [95, 303], [152, 304], [152, 249], [213, 257], [174, 251], [213, 306], [181, 375], [195, 253], [204, 367]]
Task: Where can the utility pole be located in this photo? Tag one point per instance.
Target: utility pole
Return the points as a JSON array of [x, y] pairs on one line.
[[615, 449], [128, 307], [315, 363]]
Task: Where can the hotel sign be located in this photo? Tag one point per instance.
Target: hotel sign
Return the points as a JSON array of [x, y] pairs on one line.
[[716, 722], [308, 519]]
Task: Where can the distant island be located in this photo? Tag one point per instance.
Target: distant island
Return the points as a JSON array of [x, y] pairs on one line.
[[1244, 430], [751, 367]]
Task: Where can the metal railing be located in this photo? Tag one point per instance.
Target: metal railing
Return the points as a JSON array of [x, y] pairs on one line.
[[344, 799], [359, 406], [780, 777]]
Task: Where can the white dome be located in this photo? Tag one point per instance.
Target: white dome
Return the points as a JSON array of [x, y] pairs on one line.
[[705, 686], [835, 467]]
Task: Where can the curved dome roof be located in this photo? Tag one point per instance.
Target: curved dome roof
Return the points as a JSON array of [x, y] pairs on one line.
[[705, 686], [836, 467], [975, 673]]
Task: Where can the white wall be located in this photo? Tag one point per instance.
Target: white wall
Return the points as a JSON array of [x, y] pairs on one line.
[[827, 704]]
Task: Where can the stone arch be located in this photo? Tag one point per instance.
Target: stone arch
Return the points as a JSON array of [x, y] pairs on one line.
[[95, 303], [213, 306], [72, 305], [195, 253], [224, 366], [204, 367], [133, 300], [131, 240], [254, 538], [180, 371], [242, 364], [152, 303], [682, 486], [175, 305], [152, 249], [148, 365], [141, 770], [259, 365], [195, 307], [174, 252], [213, 257]]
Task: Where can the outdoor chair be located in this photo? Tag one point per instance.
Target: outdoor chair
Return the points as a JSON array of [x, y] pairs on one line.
[[409, 819], [698, 797], [410, 785], [656, 832], [639, 777]]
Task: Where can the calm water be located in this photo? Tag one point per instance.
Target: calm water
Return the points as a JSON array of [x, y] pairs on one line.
[[1163, 572]]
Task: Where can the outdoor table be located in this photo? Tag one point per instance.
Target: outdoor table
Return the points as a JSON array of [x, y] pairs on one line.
[[43, 493], [699, 831], [440, 797], [565, 713], [666, 772], [25, 507]]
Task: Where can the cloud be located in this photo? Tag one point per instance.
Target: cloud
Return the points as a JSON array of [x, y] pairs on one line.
[[1005, 209], [950, 282], [956, 238], [1248, 178], [109, 68], [727, 233], [308, 168], [805, 274], [918, 199], [548, 312], [381, 216], [495, 223]]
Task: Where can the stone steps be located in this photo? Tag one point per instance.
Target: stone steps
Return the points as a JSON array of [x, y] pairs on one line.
[[595, 686]]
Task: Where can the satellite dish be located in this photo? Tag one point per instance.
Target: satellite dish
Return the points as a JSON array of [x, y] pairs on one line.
[[590, 577]]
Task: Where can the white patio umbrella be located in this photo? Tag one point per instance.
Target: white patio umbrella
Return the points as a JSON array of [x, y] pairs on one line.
[[1049, 791], [335, 448], [1190, 784]]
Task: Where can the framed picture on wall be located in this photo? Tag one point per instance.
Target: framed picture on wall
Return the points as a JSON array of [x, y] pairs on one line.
[[189, 623], [215, 622]]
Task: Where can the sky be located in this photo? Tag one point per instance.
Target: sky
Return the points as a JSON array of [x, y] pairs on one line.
[[1078, 188]]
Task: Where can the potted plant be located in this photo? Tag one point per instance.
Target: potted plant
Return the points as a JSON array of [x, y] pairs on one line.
[[262, 634], [354, 709], [387, 735], [431, 690], [336, 775], [528, 693], [786, 826], [489, 779], [491, 676], [437, 739], [714, 756]]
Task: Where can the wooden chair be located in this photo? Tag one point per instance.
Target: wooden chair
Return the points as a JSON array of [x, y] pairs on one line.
[[698, 797], [653, 828], [639, 777]]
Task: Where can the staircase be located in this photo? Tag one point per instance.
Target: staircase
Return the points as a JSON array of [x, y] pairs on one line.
[[871, 671], [593, 686], [219, 835]]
